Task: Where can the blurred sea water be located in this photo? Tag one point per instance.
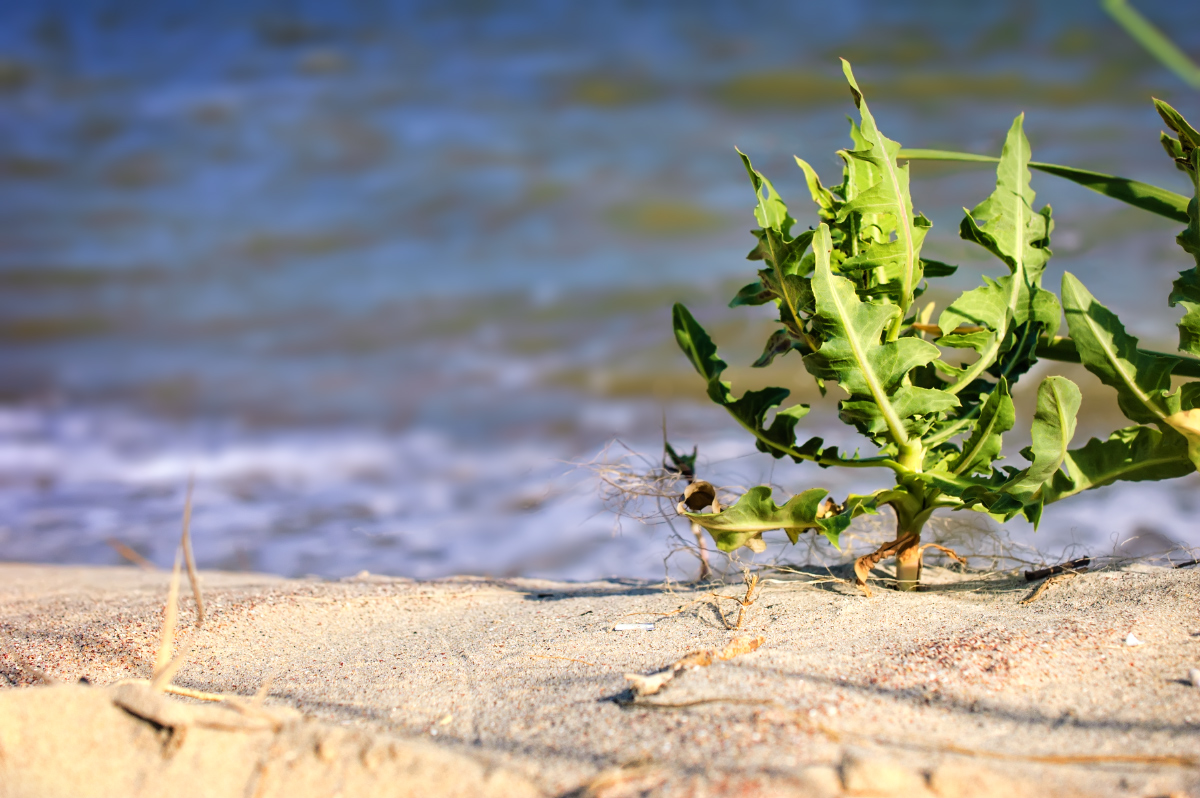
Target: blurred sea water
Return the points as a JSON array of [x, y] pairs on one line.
[[380, 275]]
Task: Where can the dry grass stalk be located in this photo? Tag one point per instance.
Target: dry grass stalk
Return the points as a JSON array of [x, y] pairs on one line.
[[131, 555], [699, 702], [264, 689], [744, 603], [651, 684], [1084, 759], [633, 779], [838, 736], [186, 543], [1044, 586], [27, 668], [170, 617], [188, 692]]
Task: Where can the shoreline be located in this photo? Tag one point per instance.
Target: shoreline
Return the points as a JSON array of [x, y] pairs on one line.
[[959, 690]]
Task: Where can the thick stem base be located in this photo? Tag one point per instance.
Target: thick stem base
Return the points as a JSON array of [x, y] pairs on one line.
[[908, 564]]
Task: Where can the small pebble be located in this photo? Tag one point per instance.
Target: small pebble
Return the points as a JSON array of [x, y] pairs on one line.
[[1194, 675], [1132, 641], [634, 627]]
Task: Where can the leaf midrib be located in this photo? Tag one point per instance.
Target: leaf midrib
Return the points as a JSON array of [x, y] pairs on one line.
[[877, 392], [1115, 362], [1113, 476], [967, 460], [1018, 278], [905, 224]]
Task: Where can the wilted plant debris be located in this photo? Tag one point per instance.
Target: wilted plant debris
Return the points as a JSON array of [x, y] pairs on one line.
[[653, 683], [1044, 586]]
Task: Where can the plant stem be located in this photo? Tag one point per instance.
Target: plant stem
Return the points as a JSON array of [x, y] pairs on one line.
[[908, 564], [911, 516]]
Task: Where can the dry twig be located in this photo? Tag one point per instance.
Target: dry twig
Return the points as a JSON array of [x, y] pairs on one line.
[[1044, 586], [1074, 566], [743, 603], [649, 685]]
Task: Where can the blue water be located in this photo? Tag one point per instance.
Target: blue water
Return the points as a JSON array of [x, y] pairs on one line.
[[378, 273]]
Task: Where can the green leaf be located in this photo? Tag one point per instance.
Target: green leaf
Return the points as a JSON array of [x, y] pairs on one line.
[[1053, 427], [697, 345], [1189, 138], [820, 195], [1133, 454], [996, 417], [935, 268], [780, 343], [1142, 380], [851, 351], [771, 211], [1005, 223], [888, 196], [753, 294], [752, 408], [782, 432], [1186, 289], [986, 306], [756, 512], [1150, 198], [908, 402]]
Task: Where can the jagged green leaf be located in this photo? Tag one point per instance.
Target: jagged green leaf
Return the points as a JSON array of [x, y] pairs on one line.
[[781, 342], [697, 345], [1005, 223], [1185, 290], [986, 306], [1133, 454], [756, 512], [1053, 427], [771, 211], [852, 351], [996, 417], [781, 435], [822, 196], [752, 294], [886, 196], [1142, 381], [916, 406], [752, 408]]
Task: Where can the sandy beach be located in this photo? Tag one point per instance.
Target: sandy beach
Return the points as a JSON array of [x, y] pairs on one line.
[[473, 686]]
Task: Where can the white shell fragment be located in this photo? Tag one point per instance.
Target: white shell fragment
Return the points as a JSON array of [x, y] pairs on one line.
[[1194, 675], [1132, 641], [634, 627]]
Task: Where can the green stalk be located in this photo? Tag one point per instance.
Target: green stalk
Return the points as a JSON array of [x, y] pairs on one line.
[[1151, 38]]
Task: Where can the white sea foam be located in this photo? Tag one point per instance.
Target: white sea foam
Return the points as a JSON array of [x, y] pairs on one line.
[[418, 503]]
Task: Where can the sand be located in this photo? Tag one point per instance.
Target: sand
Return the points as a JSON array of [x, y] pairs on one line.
[[473, 686]]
